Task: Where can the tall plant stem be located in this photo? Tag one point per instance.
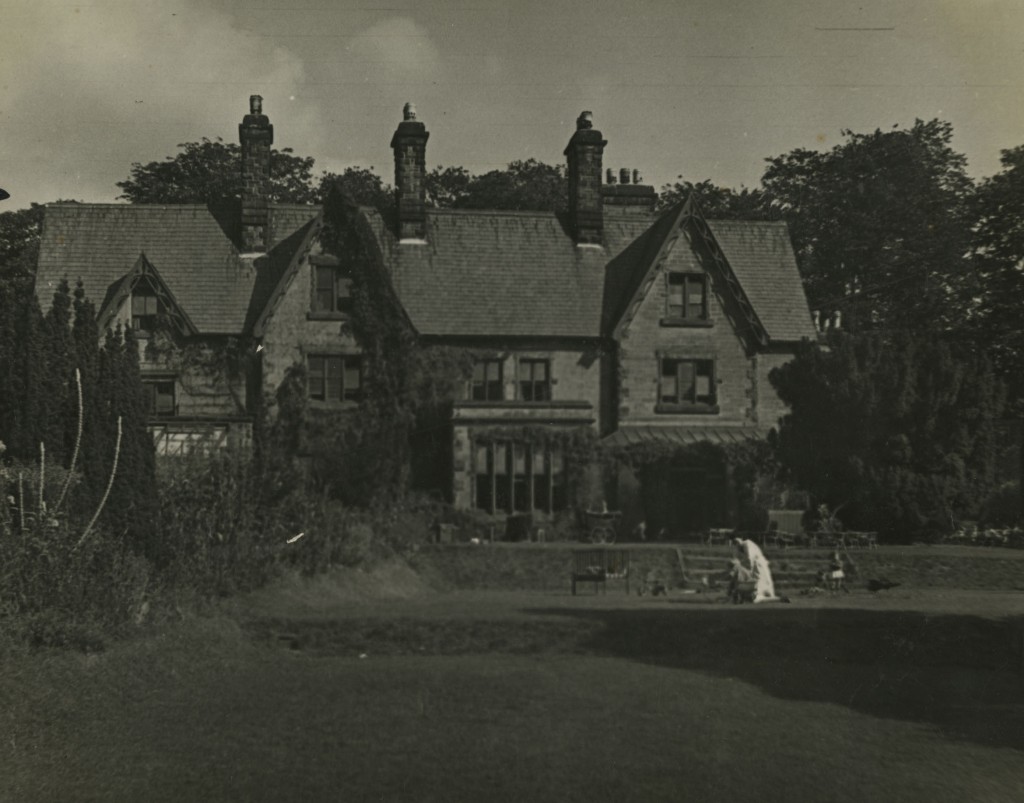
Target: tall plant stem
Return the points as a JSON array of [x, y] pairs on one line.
[[42, 481], [21, 501], [110, 484]]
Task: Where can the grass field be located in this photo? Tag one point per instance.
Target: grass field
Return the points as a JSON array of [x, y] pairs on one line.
[[358, 687]]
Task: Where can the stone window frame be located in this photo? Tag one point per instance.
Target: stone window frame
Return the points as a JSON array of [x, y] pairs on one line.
[[340, 305], [684, 319], [480, 391], [548, 383], [688, 407], [151, 383], [518, 495], [346, 398]]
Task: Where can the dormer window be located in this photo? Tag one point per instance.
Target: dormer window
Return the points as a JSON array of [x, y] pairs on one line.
[[332, 291], [687, 298], [146, 307]]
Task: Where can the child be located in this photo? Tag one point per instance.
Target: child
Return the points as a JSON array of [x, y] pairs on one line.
[[836, 575]]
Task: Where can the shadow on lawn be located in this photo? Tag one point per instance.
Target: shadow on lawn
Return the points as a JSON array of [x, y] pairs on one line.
[[963, 674]]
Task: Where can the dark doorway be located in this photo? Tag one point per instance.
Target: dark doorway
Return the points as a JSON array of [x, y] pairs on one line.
[[683, 498]]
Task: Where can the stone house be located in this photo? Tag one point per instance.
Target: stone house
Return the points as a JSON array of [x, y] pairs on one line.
[[606, 318]]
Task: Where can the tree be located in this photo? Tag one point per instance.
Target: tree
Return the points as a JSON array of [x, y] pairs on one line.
[[717, 203], [896, 428], [524, 185], [447, 186], [21, 369], [19, 242], [998, 239], [360, 184], [880, 226], [210, 172]]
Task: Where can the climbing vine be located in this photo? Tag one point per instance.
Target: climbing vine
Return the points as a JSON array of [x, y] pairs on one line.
[[407, 391]]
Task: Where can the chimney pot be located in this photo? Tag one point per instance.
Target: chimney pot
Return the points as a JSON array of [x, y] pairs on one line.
[[636, 176], [623, 175], [585, 172], [609, 176], [256, 136], [409, 144]]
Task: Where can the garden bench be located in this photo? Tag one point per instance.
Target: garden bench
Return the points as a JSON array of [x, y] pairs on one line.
[[597, 566]]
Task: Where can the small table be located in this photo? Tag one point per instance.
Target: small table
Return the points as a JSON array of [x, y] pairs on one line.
[[719, 535]]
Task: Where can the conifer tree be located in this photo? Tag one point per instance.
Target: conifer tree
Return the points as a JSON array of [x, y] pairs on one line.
[[21, 369]]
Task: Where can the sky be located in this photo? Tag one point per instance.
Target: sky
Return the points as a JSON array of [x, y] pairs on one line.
[[703, 89]]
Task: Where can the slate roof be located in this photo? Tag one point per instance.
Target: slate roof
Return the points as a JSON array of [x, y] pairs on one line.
[[520, 273], [761, 256], [479, 273], [193, 247], [499, 272]]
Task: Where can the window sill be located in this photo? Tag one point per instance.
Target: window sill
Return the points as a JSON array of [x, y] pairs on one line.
[[553, 403], [318, 404], [687, 323], [327, 316], [687, 409]]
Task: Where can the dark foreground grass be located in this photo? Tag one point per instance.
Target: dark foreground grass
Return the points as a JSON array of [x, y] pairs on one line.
[[481, 697]]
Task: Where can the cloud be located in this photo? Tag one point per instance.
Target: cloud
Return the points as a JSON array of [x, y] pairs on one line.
[[88, 90], [393, 50]]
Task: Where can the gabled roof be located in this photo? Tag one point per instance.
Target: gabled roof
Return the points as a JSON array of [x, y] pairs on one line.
[[192, 247], [751, 262], [498, 273], [761, 255], [120, 291]]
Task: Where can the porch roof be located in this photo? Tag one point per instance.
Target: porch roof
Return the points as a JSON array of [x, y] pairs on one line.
[[683, 435]]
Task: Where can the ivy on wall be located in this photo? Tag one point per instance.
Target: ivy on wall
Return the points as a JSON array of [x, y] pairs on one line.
[[207, 368], [367, 453]]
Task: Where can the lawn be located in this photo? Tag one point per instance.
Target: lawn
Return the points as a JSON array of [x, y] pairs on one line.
[[332, 690]]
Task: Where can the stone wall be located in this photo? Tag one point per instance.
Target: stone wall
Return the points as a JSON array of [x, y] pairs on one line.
[[646, 336], [292, 332]]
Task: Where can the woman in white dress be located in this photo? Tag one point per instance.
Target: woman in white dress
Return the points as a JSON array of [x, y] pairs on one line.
[[752, 559]]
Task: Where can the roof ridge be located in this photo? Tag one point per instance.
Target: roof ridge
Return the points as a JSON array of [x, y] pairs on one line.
[[114, 205], [491, 212]]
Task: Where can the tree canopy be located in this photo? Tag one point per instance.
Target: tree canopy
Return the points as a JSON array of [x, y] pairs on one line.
[[880, 226], [19, 242], [528, 185], [210, 171], [361, 185], [998, 239], [717, 203]]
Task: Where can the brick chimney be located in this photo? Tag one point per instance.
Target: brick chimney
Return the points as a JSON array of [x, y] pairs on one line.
[[626, 198], [256, 135], [583, 156], [410, 146]]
